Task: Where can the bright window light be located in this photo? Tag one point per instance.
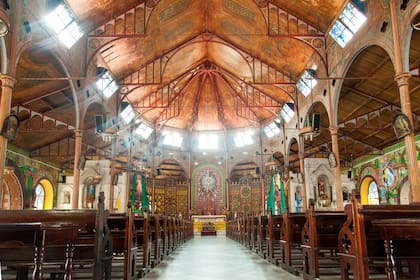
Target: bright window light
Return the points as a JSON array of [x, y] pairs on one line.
[[128, 114], [63, 23], [347, 24], [287, 112], [243, 138], [172, 139], [208, 142], [144, 131], [306, 83], [107, 85], [272, 129]]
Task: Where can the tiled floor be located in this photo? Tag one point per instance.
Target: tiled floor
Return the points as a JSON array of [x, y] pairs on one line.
[[216, 258]]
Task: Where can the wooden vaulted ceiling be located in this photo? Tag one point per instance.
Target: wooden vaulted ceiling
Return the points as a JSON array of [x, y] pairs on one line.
[[207, 65]]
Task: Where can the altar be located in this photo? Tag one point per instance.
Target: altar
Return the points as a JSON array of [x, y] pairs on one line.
[[205, 225]]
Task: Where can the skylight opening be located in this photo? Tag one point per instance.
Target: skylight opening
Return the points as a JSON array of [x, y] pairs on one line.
[[64, 25], [287, 112], [347, 24], [107, 85], [128, 114], [172, 139], [208, 142], [243, 139], [272, 129], [306, 83], [144, 131]]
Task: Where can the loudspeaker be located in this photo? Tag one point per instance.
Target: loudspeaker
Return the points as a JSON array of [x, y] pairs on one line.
[[349, 174], [99, 124], [27, 26], [316, 119], [63, 179], [257, 170], [158, 171], [115, 179], [82, 162]]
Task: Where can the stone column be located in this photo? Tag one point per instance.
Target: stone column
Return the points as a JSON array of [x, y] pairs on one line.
[[402, 80], [7, 83], [337, 169], [76, 172]]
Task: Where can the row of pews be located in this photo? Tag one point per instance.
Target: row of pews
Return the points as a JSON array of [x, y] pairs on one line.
[[362, 242], [86, 244]]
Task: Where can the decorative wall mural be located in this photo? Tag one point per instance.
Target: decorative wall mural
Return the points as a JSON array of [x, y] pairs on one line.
[[208, 184]]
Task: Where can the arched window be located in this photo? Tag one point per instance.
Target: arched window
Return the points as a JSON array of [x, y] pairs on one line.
[[39, 197], [373, 194]]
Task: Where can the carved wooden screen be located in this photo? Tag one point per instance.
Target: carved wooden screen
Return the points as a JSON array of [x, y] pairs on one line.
[[245, 196], [170, 196]]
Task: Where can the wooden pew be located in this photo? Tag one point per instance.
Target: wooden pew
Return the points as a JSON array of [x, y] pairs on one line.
[[273, 237], [262, 236], [290, 242], [61, 238], [155, 234], [144, 244], [362, 248], [253, 235], [124, 241], [320, 242]]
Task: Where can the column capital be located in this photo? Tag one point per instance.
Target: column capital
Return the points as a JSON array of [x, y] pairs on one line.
[[402, 78], [78, 132], [333, 130], [7, 81]]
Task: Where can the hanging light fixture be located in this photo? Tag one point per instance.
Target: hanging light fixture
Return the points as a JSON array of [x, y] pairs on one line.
[[4, 23]]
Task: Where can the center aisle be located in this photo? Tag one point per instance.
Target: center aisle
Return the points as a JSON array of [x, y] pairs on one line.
[[216, 258]]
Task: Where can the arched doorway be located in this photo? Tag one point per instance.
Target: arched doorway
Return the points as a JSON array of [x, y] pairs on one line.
[[43, 196], [369, 191]]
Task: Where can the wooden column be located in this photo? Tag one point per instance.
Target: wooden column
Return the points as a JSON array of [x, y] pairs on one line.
[[111, 187], [7, 83], [337, 169], [402, 80], [76, 172], [302, 171]]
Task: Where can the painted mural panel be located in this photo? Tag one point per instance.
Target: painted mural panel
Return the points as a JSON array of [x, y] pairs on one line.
[[208, 183]]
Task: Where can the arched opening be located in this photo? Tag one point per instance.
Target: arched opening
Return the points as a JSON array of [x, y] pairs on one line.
[[317, 143], [43, 196], [364, 114], [369, 192], [89, 125], [89, 193], [12, 192], [413, 58]]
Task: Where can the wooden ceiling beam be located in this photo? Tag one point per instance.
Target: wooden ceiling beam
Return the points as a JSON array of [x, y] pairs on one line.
[[46, 94], [387, 86], [194, 116], [220, 111]]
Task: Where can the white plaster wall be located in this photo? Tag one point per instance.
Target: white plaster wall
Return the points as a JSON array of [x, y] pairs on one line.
[[92, 168]]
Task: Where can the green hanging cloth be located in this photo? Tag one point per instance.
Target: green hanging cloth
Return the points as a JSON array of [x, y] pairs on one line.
[[133, 191], [270, 198], [283, 206], [144, 198]]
